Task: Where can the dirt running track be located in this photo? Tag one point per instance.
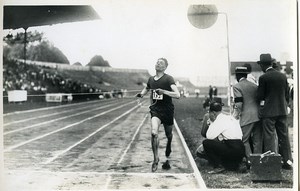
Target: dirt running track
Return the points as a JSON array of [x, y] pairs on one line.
[[91, 146]]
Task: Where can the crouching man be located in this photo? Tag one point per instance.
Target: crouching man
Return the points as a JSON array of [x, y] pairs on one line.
[[223, 147]]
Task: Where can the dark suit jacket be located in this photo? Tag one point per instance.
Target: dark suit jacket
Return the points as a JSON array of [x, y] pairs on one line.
[[273, 89]]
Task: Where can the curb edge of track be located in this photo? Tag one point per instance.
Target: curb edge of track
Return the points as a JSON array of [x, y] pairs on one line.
[[197, 173]]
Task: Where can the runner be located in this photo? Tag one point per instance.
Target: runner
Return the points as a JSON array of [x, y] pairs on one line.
[[163, 89]]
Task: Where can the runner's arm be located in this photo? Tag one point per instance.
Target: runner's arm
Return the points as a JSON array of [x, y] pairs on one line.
[[143, 92], [174, 93]]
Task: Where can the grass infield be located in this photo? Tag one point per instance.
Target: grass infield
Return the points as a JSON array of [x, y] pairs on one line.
[[188, 114]]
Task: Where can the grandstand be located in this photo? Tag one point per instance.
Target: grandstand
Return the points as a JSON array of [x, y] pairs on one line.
[[83, 82], [41, 79]]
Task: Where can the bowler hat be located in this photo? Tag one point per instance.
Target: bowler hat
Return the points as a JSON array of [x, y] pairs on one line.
[[265, 59], [241, 70]]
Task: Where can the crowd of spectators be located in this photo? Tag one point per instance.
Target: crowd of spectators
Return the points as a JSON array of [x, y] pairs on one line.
[[39, 80]]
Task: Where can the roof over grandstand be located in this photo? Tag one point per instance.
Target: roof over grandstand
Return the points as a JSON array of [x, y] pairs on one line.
[[28, 16]]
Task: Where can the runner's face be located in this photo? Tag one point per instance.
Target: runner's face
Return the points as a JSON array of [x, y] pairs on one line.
[[160, 65]]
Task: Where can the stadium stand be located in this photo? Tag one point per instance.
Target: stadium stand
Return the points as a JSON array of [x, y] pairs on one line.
[[41, 79]]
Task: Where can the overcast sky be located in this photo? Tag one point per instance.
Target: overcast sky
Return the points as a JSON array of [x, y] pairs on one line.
[[135, 33]]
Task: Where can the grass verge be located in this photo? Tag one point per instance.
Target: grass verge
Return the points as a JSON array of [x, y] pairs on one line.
[[188, 114]]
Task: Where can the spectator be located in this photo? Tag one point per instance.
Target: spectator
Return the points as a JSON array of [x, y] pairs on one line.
[[205, 103], [246, 111], [250, 76], [223, 147], [210, 92], [199, 151], [205, 125], [273, 91], [197, 92], [215, 91]]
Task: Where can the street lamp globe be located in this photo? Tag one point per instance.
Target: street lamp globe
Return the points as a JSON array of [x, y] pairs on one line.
[[202, 16]]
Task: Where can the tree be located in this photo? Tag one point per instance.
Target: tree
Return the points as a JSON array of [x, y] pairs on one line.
[[37, 48], [46, 52], [19, 38], [98, 61], [77, 64], [13, 52]]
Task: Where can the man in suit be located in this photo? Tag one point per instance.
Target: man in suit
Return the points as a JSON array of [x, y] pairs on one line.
[[273, 91], [246, 111]]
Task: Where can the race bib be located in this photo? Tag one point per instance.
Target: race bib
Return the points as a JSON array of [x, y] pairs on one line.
[[157, 96]]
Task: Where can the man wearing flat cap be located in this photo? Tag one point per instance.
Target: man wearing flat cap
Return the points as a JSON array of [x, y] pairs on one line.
[[273, 91], [223, 147], [246, 111]]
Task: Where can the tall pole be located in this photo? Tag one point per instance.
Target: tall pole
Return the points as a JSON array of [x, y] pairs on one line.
[[229, 63], [25, 43]]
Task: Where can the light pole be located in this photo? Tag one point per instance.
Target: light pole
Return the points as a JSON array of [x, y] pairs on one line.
[[25, 43], [204, 16], [229, 63]]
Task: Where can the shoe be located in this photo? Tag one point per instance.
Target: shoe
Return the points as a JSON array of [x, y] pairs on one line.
[[248, 165], [217, 170], [242, 168], [287, 166], [155, 165], [166, 165], [168, 150], [202, 154]]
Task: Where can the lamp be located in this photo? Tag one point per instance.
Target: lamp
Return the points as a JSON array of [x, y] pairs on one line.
[[205, 16]]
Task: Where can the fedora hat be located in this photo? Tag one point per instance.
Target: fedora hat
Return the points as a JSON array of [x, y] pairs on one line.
[[265, 59], [241, 70]]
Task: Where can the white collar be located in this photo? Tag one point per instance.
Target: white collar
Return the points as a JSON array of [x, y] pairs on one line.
[[243, 78], [269, 68]]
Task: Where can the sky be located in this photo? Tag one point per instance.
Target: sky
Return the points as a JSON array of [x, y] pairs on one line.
[[135, 33]]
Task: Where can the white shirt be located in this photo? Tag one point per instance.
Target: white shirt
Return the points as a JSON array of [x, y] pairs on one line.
[[225, 125], [252, 79]]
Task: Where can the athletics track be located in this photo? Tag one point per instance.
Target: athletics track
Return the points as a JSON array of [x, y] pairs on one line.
[[94, 145]]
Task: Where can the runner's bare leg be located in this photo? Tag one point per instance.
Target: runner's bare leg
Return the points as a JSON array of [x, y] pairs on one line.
[[155, 123], [169, 135]]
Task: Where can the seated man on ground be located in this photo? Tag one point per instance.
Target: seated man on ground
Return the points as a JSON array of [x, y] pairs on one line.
[[223, 147], [205, 125]]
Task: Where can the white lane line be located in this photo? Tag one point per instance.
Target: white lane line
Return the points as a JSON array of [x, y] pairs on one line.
[[126, 150], [90, 135], [47, 108], [57, 119], [107, 182], [68, 126], [47, 115], [132, 139], [197, 174], [144, 174]]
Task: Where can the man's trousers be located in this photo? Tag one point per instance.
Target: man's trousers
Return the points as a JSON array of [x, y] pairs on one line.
[[228, 153]]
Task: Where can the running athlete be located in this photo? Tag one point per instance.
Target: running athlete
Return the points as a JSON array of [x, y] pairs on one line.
[[163, 89]]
